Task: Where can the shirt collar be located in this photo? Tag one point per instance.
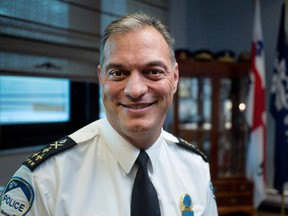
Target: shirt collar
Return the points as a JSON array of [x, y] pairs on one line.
[[125, 153], [154, 151]]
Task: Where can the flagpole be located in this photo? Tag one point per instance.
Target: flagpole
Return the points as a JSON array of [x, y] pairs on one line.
[[283, 204]]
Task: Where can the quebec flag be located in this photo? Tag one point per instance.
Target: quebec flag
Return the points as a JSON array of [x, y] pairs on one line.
[[256, 113], [279, 108]]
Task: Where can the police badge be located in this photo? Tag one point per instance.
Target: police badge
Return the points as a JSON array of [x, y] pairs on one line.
[[17, 197], [186, 205]]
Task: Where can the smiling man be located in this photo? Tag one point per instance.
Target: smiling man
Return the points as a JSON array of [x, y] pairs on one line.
[[138, 76], [124, 164]]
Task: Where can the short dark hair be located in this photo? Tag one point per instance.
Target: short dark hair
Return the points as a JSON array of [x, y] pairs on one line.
[[136, 21]]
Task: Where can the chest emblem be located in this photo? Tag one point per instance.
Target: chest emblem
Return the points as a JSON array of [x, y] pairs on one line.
[[186, 205]]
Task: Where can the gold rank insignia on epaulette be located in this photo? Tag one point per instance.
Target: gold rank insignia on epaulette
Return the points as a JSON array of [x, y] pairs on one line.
[[40, 156], [190, 146]]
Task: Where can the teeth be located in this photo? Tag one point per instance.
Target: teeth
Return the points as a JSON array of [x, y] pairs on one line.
[[139, 106]]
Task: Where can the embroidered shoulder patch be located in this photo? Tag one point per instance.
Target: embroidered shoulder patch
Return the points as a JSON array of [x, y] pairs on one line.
[[190, 146], [17, 198], [59, 146]]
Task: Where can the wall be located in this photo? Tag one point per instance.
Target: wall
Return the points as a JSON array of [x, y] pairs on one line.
[[10, 161]]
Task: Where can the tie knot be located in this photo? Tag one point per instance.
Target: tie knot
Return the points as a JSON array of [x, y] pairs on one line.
[[142, 159]]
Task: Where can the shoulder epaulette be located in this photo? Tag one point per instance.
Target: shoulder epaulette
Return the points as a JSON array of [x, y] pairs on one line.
[[40, 156], [190, 146]]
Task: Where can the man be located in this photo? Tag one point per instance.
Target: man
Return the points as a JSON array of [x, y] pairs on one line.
[[93, 171]]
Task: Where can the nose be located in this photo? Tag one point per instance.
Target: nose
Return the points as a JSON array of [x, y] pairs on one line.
[[135, 86]]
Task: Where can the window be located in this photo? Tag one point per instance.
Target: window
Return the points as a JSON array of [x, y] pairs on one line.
[[33, 100]]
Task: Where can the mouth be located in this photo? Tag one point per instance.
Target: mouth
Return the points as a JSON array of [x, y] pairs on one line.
[[138, 106]]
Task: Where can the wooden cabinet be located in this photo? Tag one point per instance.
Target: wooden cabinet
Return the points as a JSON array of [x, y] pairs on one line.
[[209, 109], [234, 195]]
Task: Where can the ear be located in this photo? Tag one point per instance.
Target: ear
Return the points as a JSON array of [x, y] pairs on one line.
[[99, 74], [176, 78]]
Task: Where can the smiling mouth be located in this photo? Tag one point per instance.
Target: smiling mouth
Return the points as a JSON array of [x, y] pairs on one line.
[[138, 106]]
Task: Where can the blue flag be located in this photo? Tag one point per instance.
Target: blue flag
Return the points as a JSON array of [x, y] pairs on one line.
[[279, 108]]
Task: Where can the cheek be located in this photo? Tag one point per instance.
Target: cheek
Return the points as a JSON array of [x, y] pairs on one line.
[[171, 86], [110, 91], [165, 91], [106, 91]]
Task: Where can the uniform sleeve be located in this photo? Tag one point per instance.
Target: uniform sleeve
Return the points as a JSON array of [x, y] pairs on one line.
[[211, 208], [24, 194]]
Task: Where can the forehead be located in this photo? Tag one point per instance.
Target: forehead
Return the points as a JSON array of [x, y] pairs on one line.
[[147, 42]]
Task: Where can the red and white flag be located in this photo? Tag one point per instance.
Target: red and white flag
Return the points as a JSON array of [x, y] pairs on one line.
[[256, 113]]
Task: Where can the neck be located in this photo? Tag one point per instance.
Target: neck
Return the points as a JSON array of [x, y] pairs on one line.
[[142, 140]]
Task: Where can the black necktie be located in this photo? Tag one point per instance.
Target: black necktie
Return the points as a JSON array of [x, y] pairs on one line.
[[144, 196]]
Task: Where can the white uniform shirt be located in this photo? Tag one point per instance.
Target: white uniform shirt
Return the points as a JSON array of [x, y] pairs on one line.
[[95, 177]]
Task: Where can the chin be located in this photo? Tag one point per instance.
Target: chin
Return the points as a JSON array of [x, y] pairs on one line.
[[138, 127], [144, 128]]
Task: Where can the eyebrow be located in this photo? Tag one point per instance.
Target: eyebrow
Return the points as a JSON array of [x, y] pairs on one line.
[[158, 63], [113, 65], [149, 64]]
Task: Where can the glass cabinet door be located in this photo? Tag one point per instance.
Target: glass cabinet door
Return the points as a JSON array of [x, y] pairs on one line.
[[224, 128], [232, 128], [195, 111]]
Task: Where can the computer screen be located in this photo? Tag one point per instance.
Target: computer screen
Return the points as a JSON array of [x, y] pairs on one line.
[[34, 100]]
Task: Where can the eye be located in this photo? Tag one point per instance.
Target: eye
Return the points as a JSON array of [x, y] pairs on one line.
[[154, 74], [117, 75]]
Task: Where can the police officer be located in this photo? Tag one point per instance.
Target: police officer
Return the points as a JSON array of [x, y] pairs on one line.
[[92, 171]]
